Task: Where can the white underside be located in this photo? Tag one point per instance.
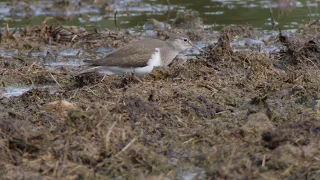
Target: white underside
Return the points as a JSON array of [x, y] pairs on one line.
[[119, 70], [154, 61]]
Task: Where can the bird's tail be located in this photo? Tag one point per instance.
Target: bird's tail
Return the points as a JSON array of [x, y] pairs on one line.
[[89, 69], [88, 61]]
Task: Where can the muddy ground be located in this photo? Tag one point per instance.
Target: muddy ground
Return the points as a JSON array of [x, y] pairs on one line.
[[223, 115]]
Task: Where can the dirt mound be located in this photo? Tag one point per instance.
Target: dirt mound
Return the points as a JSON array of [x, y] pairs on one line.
[[226, 115]]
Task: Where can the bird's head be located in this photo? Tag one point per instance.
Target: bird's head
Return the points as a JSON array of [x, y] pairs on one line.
[[180, 42]]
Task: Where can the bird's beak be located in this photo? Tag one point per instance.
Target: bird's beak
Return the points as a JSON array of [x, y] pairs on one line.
[[201, 50], [190, 44]]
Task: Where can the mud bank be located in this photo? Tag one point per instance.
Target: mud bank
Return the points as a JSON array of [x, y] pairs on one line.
[[223, 115]]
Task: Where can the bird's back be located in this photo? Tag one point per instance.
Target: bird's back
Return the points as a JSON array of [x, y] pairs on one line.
[[135, 54]]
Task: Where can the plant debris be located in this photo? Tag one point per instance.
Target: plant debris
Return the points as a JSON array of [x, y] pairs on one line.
[[228, 115]]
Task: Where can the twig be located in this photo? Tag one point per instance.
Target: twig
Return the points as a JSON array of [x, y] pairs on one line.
[[74, 95], [312, 63], [8, 151], [72, 170], [32, 65], [74, 37], [186, 142], [127, 146], [115, 19], [54, 79], [55, 169], [168, 16], [313, 23], [309, 9], [109, 133], [90, 90], [316, 13], [264, 161], [273, 23], [168, 2]]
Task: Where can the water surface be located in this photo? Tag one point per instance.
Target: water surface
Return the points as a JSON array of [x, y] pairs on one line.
[[216, 14]]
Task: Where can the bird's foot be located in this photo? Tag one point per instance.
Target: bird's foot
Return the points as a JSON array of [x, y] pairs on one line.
[[133, 77]]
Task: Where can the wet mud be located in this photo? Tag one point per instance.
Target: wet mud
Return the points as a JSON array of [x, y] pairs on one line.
[[223, 115]]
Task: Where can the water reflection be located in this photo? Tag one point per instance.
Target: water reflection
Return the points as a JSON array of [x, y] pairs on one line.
[[135, 13], [8, 53], [285, 6], [18, 91]]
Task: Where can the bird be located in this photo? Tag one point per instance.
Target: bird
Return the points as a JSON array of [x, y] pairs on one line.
[[140, 57]]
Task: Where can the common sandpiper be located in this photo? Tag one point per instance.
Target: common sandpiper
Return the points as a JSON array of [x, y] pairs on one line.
[[140, 57]]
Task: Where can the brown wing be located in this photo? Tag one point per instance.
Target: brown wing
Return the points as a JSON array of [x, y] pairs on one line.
[[136, 54]]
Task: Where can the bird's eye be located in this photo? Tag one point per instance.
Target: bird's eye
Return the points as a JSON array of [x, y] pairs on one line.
[[185, 39]]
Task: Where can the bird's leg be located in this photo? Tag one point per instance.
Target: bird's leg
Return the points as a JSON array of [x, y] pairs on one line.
[[104, 76], [134, 77]]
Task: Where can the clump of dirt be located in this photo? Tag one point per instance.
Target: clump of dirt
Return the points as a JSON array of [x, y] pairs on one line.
[[228, 115], [188, 20], [300, 49]]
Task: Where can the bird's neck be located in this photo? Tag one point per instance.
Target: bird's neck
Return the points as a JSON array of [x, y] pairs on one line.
[[168, 54]]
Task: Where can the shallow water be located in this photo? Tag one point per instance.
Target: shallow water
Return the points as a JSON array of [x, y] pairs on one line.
[[73, 58], [288, 14], [133, 14], [197, 118], [18, 91]]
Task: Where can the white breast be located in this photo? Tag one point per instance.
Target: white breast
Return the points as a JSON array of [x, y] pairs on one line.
[[155, 59]]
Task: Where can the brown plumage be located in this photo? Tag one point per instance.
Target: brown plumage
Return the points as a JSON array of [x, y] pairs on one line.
[[135, 54]]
